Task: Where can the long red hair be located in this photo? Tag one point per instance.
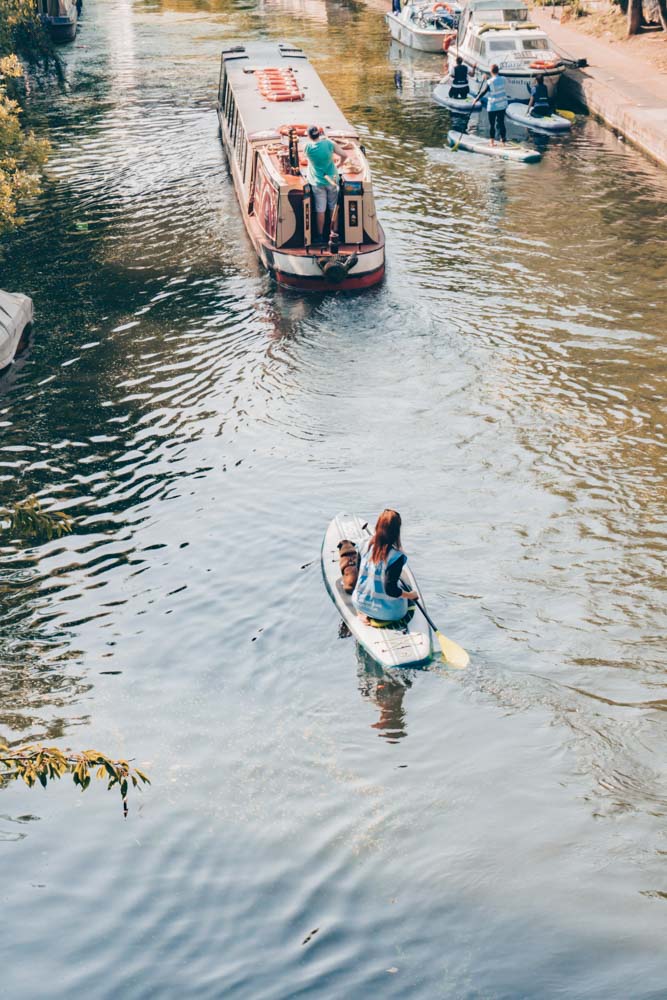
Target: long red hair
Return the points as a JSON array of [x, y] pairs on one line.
[[387, 534]]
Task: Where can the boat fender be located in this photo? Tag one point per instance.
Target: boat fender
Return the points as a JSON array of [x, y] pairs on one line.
[[335, 268], [447, 41]]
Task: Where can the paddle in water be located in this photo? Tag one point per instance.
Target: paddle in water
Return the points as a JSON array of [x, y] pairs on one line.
[[453, 654]]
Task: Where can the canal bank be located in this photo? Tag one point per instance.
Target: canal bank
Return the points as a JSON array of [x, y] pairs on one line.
[[627, 94]]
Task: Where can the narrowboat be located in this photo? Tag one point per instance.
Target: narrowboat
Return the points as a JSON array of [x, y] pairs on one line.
[[268, 97], [60, 18], [423, 25], [498, 31]]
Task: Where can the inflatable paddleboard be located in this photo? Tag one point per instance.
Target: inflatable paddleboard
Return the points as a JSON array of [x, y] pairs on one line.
[[548, 123], [480, 144], [405, 647], [464, 106]]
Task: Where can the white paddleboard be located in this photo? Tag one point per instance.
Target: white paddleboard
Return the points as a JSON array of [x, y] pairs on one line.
[[517, 112], [504, 151], [411, 645], [464, 106]]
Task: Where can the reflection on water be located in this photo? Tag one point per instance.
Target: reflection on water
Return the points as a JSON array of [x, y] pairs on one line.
[[385, 689], [503, 389]]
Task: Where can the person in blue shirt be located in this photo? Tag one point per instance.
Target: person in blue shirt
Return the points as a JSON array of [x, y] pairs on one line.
[[496, 104], [539, 104], [322, 174]]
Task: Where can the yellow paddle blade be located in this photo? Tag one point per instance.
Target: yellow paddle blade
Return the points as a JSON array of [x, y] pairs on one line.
[[570, 115], [454, 655]]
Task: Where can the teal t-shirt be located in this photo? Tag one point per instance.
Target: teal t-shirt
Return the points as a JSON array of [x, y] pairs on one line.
[[320, 163]]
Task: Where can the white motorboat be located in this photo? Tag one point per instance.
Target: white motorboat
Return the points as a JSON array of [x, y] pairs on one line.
[[424, 25], [16, 315], [499, 32]]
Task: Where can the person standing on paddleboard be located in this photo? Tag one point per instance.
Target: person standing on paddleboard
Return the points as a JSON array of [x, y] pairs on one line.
[[378, 594], [322, 174], [496, 104]]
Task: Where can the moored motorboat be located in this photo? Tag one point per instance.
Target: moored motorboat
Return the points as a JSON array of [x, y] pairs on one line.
[[499, 32], [553, 123], [503, 151], [268, 96], [424, 25], [459, 105], [406, 646], [16, 315], [60, 18]]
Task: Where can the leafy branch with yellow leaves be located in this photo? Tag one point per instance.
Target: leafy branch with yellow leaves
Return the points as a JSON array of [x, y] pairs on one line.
[[36, 763], [27, 520]]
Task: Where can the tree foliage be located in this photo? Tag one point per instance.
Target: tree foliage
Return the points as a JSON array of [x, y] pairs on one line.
[[27, 520], [36, 763], [22, 155]]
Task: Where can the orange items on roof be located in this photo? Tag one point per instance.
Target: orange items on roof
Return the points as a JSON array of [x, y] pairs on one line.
[[278, 85]]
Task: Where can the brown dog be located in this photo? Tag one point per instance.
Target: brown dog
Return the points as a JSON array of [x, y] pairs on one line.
[[349, 564]]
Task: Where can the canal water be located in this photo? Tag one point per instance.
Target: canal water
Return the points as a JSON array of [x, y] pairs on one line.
[[316, 828]]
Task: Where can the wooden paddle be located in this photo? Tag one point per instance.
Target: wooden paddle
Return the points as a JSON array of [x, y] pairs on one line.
[[453, 654]]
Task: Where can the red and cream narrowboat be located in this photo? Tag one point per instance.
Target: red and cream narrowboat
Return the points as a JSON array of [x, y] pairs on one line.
[[269, 95]]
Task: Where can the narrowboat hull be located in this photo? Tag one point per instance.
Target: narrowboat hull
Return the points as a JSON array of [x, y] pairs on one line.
[[304, 271], [60, 29]]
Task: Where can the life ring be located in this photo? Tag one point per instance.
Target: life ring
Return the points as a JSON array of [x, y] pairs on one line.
[[440, 6], [447, 41], [299, 129], [544, 64]]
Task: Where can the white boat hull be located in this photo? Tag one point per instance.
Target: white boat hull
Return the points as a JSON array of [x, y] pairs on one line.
[[406, 647], [417, 38], [16, 313], [517, 81]]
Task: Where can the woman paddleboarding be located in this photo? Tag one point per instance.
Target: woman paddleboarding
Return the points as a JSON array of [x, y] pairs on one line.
[[378, 595]]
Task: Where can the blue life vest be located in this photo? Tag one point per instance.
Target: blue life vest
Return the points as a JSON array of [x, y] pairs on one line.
[[369, 595], [497, 94], [540, 96]]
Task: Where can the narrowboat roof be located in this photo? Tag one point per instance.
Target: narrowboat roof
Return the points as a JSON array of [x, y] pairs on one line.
[[259, 114]]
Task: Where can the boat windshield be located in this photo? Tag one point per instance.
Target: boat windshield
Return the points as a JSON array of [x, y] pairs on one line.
[[502, 45], [532, 44]]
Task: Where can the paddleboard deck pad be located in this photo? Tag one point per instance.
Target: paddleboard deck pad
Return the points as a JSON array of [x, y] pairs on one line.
[[390, 647], [464, 106], [480, 144], [553, 124]]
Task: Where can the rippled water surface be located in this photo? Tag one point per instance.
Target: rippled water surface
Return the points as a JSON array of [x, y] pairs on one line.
[[498, 833]]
